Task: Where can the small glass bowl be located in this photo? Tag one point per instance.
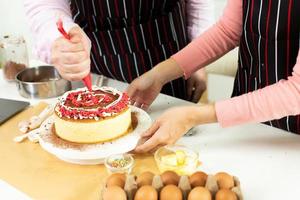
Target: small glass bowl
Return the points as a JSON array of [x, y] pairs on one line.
[[119, 163], [178, 158]]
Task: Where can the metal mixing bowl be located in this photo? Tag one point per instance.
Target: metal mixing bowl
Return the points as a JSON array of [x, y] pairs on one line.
[[41, 82]]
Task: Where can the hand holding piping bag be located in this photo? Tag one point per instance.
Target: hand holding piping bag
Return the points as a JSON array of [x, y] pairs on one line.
[[71, 55]]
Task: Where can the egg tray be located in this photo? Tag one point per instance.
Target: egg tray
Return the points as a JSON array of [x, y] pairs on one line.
[[184, 185]]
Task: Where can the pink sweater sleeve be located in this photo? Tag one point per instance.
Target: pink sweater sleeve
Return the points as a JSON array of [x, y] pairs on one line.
[[42, 16], [213, 43], [200, 16], [272, 102]]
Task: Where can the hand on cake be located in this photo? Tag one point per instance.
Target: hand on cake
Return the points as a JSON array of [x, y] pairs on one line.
[[143, 90], [174, 123], [72, 57]]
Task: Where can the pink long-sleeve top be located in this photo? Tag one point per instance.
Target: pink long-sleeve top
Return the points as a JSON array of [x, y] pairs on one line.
[[272, 102], [43, 14]]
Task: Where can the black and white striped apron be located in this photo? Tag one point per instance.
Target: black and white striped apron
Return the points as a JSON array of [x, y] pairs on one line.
[[129, 37], [268, 49]]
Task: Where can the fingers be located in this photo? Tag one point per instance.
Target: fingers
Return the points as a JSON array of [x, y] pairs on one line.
[[151, 130], [131, 90], [75, 68], [79, 76], [69, 58], [145, 106], [72, 57], [138, 104], [157, 147], [76, 34], [75, 76], [74, 72], [200, 88], [143, 90], [150, 144], [197, 94], [153, 140], [135, 100], [189, 89], [63, 45]]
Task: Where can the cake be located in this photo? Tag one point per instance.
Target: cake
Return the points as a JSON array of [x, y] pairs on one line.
[[101, 115]]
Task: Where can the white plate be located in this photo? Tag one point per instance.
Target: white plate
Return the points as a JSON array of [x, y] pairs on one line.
[[90, 154]]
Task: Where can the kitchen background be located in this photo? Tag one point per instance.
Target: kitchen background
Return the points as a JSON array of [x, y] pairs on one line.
[[220, 73]]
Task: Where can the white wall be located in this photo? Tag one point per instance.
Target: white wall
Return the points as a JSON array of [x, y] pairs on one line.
[[13, 21]]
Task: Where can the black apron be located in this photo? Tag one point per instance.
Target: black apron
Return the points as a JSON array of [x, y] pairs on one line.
[[268, 49], [129, 37]]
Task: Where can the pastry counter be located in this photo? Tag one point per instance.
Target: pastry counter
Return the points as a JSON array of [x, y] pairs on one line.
[[265, 159]]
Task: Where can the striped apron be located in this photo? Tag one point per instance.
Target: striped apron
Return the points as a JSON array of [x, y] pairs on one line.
[[268, 49], [129, 37]]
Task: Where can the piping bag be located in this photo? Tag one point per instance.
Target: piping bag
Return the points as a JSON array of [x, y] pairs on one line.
[[88, 79]]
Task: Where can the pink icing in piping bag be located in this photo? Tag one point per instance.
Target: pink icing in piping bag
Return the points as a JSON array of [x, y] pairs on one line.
[[88, 79]]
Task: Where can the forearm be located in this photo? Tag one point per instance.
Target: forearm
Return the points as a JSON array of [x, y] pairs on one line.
[[200, 114], [205, 114], [167, 70], [213, 43]]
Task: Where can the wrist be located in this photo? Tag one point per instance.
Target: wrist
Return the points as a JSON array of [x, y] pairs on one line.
[[167, 71], [203, 114]]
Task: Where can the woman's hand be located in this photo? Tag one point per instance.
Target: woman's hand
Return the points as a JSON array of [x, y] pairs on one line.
[[144, 89], [72, 57], [172, 124], [196, 85]]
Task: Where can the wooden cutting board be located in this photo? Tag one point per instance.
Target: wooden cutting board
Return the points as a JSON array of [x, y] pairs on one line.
[[41, 175]]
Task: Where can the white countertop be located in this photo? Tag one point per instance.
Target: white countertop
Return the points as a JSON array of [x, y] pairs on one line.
[[266, 160]]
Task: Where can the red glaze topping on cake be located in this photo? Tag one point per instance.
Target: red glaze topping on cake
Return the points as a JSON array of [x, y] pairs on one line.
[[100, 103]]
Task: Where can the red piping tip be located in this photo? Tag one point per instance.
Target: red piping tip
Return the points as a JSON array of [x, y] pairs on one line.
[[88, 82]]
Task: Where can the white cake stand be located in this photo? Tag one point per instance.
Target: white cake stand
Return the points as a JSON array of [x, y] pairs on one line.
[[91, 154]]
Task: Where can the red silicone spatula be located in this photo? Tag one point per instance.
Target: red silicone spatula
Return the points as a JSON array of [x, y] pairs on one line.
[[88, 79]]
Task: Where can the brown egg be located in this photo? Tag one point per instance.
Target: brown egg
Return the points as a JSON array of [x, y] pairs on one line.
[[225, 194], [170, 192], [199, 193], [170, 178], [146, 192], [198, 179], [116, 179], [224, 180], [115, 193], [145, 179]]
